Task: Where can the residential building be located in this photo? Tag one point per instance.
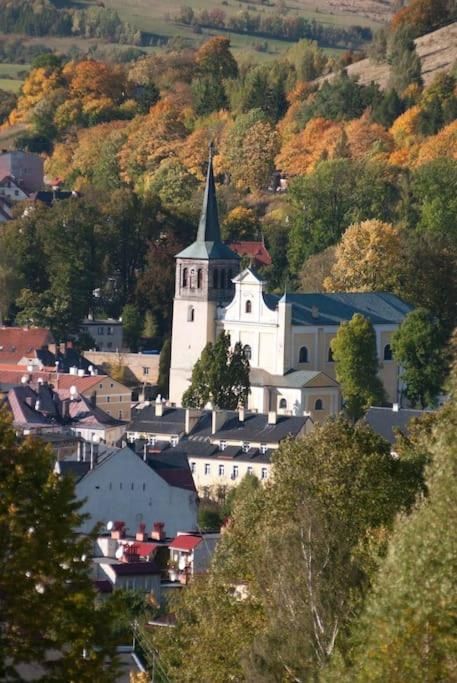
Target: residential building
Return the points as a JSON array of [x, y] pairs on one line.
[[220, 446], [118, 484], [25, 168], [107, 334], [388, 422], [190, 554], [139, 368], [101, 391], [285, 338], [22, 342]]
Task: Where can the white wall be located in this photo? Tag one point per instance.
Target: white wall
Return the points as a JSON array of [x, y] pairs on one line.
[[126, 488]]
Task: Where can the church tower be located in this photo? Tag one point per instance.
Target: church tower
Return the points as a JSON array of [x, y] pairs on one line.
[[204, 273]]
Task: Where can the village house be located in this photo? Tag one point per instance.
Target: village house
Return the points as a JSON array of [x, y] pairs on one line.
[[23, 168], [285, 337], [107, 334]]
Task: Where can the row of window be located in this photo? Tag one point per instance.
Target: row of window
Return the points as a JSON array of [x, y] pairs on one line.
[[121, 486], [235, 470], [318, 405], [193, 279], [303, 355]]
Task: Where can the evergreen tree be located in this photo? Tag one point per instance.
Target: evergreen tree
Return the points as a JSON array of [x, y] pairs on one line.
[[404, 61], [354, 351], [163, 382], [220, 377]]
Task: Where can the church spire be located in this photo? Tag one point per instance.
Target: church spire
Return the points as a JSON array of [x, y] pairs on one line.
[[208, 228], [209, 245]]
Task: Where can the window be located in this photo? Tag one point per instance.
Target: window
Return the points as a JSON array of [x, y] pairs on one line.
[[303, 355], [387, 352], [215, 279], [247, 351], [318, 405], [144, 486], [235, 472], [283, 404], [120, 414], [112, 385], [145, 371], [222, 445], [248, 306], [184, 277], [221, 470], [108, 399], [174, 440], [101, 331], [109, 331], [190, 314], [330, 358], [207, 468], [263, 448], [192, 467], [132, 486], [249, 470], [199, 278], [246, 446], [264, 473]]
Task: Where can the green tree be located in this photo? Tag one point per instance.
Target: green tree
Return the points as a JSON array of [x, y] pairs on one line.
[[405, 64], [7, 103], [418, 347], [354, 351], [220, 376], [434, 190], [48, 602], [407, 632], [132, 326], [163, 382], [208, 95]]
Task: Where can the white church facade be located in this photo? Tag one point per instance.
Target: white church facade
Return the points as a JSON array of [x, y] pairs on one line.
[[287, 339]]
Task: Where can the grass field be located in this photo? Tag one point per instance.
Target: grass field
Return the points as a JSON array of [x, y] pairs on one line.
[[12, 76]]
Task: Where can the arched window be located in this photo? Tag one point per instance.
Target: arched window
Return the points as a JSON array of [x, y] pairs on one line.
[[282, 404], [215, 279], [247, 352], [248, 306], [190, 314], [192, 278], [199, 278], [184, 277], [387, 352], [318, 405], [222, 279], [330, 355], [303, 355]]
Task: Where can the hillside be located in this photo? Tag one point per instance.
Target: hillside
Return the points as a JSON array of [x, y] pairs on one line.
[[437, 50]]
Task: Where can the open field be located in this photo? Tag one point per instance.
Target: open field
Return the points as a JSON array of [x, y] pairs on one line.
[[10, 84], [12, 76]]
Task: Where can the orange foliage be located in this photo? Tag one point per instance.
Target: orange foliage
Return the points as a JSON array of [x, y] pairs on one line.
[[37, 86], [443, 144], [405, 129], [303, 150], [60, 164], [422, 15], [193, 152], [151, 138], [96, 80], [366, 138]]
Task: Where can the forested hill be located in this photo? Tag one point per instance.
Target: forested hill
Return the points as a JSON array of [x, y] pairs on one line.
[[437, 51]]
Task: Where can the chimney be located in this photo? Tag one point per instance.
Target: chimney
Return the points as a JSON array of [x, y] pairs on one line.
[[192, 417], [141, 533], [159, 406], [395, 407], [218, 419], [241, 414], [272, 417], [158, 531], [314, 312], [118, 531]]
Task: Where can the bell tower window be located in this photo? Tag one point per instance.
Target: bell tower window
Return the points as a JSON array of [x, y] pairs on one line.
[[215, 278], [248, 307], [184, 277], [199, 278]]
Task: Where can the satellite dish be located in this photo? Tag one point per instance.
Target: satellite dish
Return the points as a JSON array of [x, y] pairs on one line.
[[24, 379], [110, 525], [119, 554], [73, 392]]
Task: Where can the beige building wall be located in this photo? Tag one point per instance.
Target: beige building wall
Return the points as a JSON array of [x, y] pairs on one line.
[[112, 397], [140, 367], [209, 477]]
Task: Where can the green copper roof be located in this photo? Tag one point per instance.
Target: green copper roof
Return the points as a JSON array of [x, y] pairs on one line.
[[208, 244]]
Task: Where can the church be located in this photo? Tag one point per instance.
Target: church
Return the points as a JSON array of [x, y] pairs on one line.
[[286, 338]]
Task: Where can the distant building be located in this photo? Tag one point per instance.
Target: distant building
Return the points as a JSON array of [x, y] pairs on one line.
[[107, 334], [388, 422], [24, 168], [139, 368]]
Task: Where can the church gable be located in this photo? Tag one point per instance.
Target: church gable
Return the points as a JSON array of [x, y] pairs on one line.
[[248, 304]]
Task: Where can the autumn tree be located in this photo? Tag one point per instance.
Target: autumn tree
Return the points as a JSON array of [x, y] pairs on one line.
[[367, 259], [219, 377], [214, 58], [240, 223], [355, 355], [417, 346], [48, 602], [316, 270]]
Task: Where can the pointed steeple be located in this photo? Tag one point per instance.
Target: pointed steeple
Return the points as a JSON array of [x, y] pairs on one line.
[[208, 228], [208, 244]]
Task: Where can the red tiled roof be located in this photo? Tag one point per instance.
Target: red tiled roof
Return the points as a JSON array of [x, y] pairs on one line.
[[17, 342], [12, 375], [257, 251], [185, 542], [142, 549]]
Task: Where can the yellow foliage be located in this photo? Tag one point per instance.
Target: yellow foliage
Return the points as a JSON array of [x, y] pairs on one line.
[[443, 144], [193, 152], [368, 258], [404, 130], [36, 87], [366, 138], [59, 165]]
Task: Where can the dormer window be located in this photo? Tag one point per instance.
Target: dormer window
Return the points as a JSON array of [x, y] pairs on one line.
[[248, 306]]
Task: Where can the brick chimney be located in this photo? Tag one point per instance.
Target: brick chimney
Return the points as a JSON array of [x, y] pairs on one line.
[[272, 416], [141, 533], [158, 531], [192, 417], [118, 531]]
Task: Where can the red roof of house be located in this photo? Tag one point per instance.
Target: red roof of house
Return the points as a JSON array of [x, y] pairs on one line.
[[185, 542], [142, 549], [17, 342], [257, 251]]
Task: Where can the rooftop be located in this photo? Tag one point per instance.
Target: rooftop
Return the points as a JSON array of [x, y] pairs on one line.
[[386, 421]]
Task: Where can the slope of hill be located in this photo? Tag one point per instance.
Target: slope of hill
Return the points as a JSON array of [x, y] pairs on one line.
[[437, 51]]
